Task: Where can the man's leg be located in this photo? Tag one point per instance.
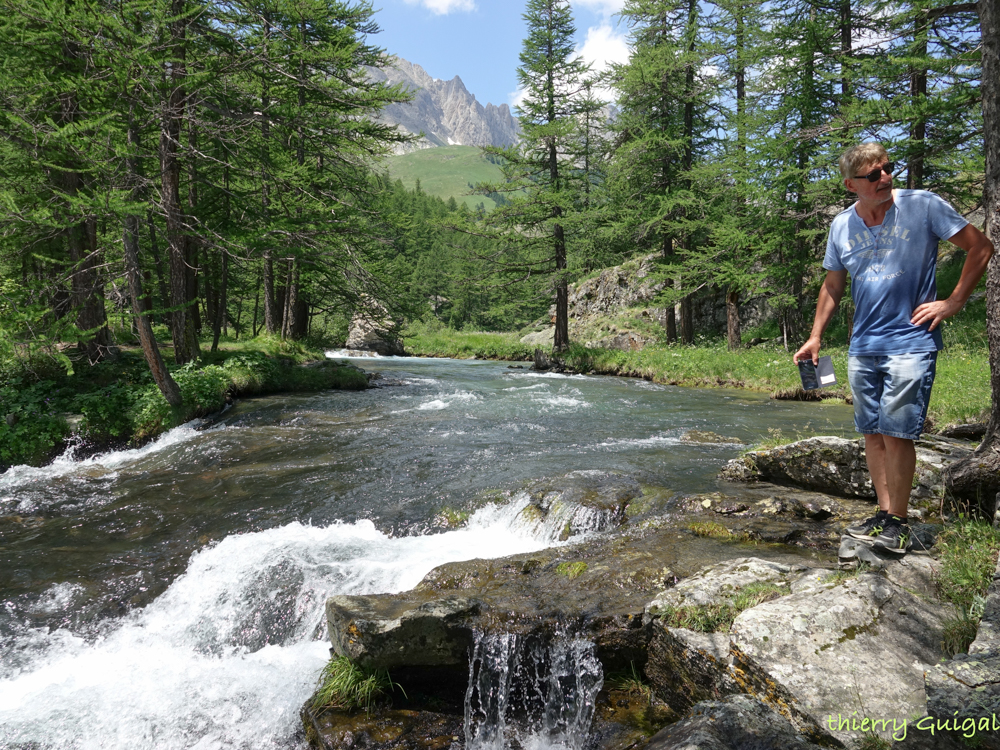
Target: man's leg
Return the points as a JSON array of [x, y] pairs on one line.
[[900, 465], [875, 456]]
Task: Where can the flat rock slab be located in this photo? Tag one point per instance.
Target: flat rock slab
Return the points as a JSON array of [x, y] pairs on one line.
[[717, 583], [837, 646], [384, 631], [738, 722]]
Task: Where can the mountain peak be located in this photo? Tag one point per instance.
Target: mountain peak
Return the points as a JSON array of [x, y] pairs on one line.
[[444, 111]]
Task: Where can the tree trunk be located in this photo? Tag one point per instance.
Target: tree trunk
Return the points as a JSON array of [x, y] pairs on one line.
[[734, 338], [669, 316], [161, 279], [272, 317], [291, 299], [161, 376], [918, 93], [977, 478], [220, 303], [687, 320], [170, 169], [560, 341]]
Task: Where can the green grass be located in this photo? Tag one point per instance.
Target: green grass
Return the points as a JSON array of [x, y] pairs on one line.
[[969, 552], [631, 683], [571, 569], [713, 618], [345, 685], [446, 172], [424, 340]]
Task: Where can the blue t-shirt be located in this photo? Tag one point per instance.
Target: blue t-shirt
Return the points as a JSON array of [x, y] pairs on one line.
[[892, 270]]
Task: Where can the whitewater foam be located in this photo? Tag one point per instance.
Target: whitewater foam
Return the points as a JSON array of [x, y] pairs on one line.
[[238, 635]]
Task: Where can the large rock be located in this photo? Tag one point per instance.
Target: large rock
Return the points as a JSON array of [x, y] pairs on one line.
[[826, 464], [838, 466], [843, 644], [374, 331], [966, 688], [386, 631], [738, 722], [685, 667]]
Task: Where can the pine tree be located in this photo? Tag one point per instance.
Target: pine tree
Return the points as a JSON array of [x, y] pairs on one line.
[[542, 177], [660, 134]]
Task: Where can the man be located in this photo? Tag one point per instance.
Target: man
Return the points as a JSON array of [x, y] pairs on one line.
[[888, 243]]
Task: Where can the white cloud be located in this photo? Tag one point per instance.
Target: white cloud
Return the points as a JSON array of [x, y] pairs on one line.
[[444, 7], [606, 8], [602, 47], [515, 98]]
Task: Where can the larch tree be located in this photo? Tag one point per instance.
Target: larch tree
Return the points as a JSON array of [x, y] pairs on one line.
[[660, 134], [542, 175], [976, 479]]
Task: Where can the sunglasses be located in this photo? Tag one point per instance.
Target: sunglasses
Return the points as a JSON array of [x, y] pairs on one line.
[[876, 174]]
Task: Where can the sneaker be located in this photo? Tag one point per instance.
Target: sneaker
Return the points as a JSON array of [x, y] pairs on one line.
[[896, 537], [869, 528]]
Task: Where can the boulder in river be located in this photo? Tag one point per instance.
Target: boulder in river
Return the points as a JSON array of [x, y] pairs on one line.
[[837, 466], [374, 330]]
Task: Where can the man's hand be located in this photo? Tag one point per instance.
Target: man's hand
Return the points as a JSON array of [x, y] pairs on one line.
[[935, 312], [809, 350]]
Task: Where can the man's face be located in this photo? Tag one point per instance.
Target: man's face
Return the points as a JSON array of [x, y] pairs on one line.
[[875, 192]]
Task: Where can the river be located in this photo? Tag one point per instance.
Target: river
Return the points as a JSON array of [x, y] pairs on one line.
[[172, 596]]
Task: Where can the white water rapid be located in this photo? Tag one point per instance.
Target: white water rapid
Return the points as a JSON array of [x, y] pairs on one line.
[[230, 652]]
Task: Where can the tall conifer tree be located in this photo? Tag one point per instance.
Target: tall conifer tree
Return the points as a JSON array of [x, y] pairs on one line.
[[542, 175]]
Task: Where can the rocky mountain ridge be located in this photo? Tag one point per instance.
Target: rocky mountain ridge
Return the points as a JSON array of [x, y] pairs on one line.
[[445, 112]]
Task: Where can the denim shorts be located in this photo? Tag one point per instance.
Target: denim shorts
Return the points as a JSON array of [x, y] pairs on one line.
[[891, 392]]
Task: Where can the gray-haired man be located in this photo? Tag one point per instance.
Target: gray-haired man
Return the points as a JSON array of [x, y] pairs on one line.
[[888, 242]]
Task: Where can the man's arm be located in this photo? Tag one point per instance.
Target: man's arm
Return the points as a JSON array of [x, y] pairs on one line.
[[978, 251], [829, 297]]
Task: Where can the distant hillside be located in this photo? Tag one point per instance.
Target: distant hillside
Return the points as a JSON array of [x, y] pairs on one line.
[[445, 171], [445, 112]]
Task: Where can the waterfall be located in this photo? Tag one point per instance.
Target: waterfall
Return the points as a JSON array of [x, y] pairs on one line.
[[539, 694]]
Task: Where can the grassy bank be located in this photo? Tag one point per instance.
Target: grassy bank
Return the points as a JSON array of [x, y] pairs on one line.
[[117, 403], [961, 391]]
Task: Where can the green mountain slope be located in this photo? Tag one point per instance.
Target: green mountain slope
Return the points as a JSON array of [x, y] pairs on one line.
[[446, 171]]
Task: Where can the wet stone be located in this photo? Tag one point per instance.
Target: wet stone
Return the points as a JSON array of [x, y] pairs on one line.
[[385, 729], [738, 722]]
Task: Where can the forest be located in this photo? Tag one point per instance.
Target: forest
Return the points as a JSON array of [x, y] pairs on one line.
[[176, 173]]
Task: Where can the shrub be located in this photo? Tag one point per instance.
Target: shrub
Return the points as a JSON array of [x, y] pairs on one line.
[[345, 685], [32, 425]]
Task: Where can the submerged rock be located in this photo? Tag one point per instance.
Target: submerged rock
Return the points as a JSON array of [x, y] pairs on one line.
[[385, 729], [580, 502]]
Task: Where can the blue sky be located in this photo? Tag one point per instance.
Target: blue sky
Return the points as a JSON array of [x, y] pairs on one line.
[[479, 40]]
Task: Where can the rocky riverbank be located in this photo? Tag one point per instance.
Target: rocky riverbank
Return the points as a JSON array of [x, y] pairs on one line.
[[732, 619]]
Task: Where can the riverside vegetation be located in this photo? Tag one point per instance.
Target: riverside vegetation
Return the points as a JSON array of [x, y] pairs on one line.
[[46, 404]]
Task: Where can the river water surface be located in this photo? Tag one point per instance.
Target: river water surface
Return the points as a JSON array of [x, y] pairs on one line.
[[172, 596]]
